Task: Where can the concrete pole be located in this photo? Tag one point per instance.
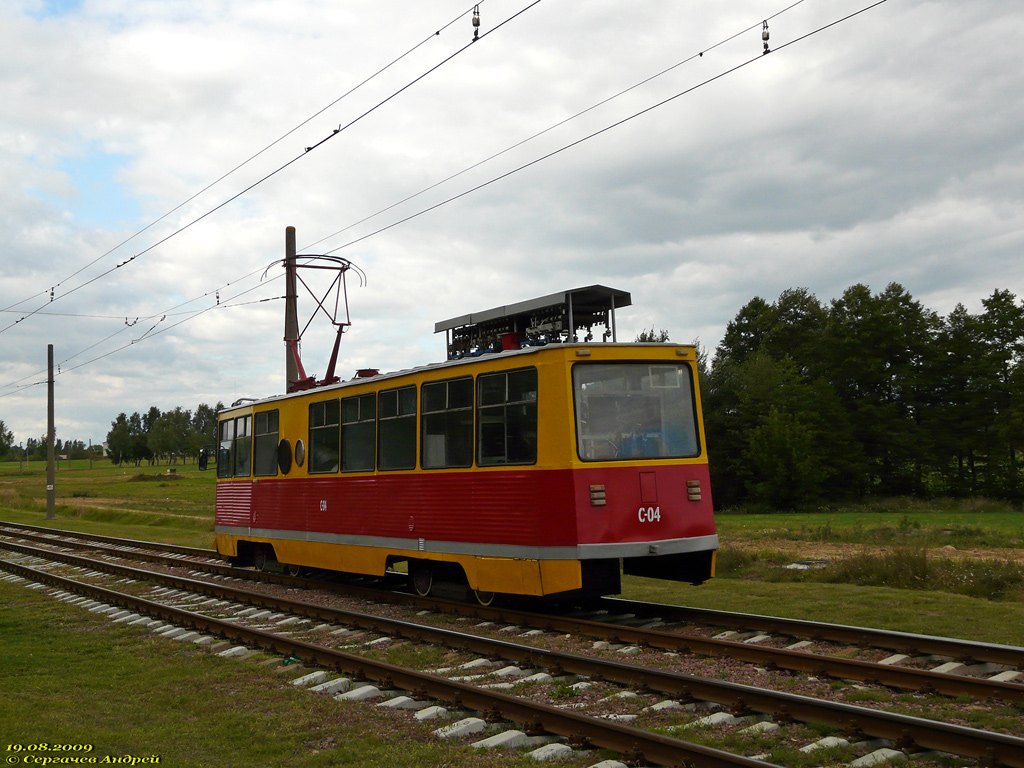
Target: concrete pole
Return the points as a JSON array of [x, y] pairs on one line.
[[291, 315], [51, 477]]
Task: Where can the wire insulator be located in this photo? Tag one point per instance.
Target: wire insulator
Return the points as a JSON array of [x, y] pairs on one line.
[[764, 36], [476, 22]]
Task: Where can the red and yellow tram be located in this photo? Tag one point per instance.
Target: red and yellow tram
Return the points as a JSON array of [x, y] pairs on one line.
[[537, 470]]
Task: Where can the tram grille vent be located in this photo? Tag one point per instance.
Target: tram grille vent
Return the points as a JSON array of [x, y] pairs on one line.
[[693, 490]]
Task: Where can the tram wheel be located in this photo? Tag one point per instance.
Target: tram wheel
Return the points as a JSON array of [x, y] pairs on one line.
[[421, 579], [260, 559], [483, 598], [293, 570]]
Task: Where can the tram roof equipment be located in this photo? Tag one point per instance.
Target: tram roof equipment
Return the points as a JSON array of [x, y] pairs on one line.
[[557, 317]]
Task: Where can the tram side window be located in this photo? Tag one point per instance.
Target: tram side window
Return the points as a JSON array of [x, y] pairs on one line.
[[507, 417], [396, 413], [324, 437], [265, 443], [358, 432], [447, 424], [226, 449], [243, 445]]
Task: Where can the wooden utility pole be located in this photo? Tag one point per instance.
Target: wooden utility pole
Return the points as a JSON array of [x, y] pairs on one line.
[[51, 475]]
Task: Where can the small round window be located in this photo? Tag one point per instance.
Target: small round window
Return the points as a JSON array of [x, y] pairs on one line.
[[300, 453]]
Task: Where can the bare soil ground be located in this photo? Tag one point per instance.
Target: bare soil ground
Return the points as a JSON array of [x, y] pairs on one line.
[[814, 550]]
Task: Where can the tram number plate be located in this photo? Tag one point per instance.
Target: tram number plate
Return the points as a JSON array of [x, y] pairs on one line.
[[649, 514], [323, 505]]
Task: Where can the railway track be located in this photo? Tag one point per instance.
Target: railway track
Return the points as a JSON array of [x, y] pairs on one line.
[[902, 642], [955, 663], [155, 546], [909, 733]]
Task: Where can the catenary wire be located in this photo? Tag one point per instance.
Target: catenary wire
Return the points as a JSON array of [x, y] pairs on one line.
[[558, 124], [229, 200], [146, 318], [270, 175], [518, 144], [601, 131], [245, 162]]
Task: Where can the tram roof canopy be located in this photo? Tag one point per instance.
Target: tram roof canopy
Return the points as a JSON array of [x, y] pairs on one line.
[[589, 300]]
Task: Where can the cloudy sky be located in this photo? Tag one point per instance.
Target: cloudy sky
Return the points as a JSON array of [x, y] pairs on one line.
[[888, 147]]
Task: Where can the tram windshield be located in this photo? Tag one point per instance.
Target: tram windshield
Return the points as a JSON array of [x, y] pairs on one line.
[[634, 411]]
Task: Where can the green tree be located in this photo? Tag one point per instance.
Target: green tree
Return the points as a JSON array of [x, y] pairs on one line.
[[39, 447], [149, 419], [139, 432], [1002, 325], [204, 427], [6, 439], [776, 437], [652, 335], [746, 332], [75, 449], [782, 465], [789, 327], [703, 364], [170, 434], [874, 351], [797, 319], [119, 440], [956, 402]]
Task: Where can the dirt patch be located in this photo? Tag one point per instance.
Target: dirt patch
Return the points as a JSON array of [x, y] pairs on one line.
[[95, 503], [144, 478], [117, 505], [814, 550]]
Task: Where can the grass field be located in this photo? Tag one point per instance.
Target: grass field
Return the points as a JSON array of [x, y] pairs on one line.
[[961, 523], [68, 677], [171, 504]]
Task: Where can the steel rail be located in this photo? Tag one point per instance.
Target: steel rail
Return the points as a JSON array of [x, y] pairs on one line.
[[905, 678], [912, 644], [578, 728], [193, 551], [116, 548], [924, 734]]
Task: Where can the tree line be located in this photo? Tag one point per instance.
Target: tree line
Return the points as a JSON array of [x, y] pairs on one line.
[[150, 437], [171, 435], [872, 394], [34, 449]]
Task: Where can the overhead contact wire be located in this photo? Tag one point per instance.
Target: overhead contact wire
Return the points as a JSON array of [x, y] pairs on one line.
[[602, 130], [550, 128], [220, 179], [150, 334], [229, 200], [146, 318]]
